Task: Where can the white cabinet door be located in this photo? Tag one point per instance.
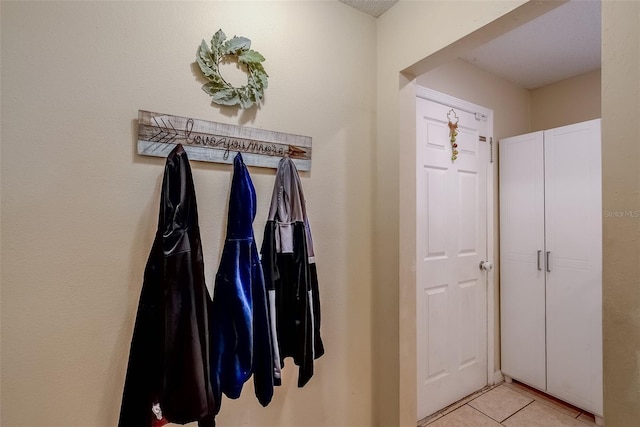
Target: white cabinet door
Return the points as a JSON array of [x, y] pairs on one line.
[[574, 270], [551, 262], [522, 276]]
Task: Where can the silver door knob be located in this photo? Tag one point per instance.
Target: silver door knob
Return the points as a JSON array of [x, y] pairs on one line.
[[486, 266]]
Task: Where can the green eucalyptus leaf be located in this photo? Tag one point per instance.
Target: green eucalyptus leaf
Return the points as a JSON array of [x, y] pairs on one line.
[[211, 59], [256, 95], [255, 86], [250, 56], [207, 65], [236, 44], [259, 69], [218, 39], [206, 70], [204, 54], [261, 78], [203, 50], [226, 97], [217, 42], [213, 87]]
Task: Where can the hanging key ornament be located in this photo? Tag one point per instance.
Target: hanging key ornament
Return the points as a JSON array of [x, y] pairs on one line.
[[453, 132]]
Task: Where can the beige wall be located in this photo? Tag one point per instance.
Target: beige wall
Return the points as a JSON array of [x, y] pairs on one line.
[[509, 102], [621, 206], [79, 207], [510, 105], [568, 101]]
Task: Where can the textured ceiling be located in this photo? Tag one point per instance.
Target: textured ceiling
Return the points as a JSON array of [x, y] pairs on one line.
[[563, 43], [372, 7]]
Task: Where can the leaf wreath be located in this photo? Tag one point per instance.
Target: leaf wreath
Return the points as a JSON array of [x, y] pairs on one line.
[[221, 92]]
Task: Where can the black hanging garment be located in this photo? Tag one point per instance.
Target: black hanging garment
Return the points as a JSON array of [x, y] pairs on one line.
[[291, 276], [240, 328], [168, 372]]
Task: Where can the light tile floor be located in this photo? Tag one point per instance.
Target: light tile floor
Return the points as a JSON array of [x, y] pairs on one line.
[[509, 405]]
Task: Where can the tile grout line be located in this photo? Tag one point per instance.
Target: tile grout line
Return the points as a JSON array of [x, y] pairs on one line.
[[486, 415], [466, 401], [533, 400], [452, 408], [513, 390], [552, 402]]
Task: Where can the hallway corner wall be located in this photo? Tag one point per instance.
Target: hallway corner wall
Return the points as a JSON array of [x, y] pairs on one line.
[[621, 211], [80, 207], [573, 100]]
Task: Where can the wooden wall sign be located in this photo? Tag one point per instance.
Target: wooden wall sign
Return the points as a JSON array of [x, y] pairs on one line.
[[207, 141]]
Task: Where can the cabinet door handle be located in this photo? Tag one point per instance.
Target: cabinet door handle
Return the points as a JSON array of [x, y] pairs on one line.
[[548, 263], [539, 263]]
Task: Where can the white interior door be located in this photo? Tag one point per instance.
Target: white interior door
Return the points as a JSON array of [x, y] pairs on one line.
[[522, 263], [574, 273], [451, 289]]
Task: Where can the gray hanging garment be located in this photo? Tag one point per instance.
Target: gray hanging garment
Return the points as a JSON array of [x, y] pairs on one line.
[[291, 276]]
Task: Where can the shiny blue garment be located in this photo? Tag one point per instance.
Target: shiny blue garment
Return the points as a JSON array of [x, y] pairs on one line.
[[240, 330]]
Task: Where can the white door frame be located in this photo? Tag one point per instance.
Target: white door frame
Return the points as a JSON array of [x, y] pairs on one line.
[[493, 376]]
